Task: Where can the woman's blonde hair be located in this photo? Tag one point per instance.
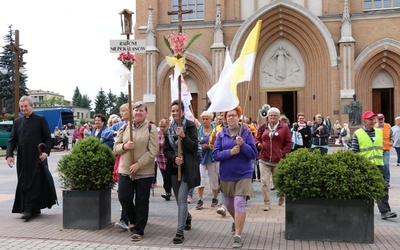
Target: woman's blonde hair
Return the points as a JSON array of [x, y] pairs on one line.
[[206, 113]]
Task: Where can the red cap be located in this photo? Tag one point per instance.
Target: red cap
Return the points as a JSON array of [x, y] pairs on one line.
[[368, 115], [380, 116]]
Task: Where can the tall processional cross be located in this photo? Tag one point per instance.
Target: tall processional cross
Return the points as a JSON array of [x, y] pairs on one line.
[[179, 12]]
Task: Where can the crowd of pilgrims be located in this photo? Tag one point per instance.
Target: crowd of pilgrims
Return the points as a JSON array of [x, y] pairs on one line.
[[226, 151]]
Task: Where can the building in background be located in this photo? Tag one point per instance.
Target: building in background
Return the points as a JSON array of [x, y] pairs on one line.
[[313, 56]]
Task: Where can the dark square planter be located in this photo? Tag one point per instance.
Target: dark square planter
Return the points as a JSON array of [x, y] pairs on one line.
[[89, 210], [330, 220]]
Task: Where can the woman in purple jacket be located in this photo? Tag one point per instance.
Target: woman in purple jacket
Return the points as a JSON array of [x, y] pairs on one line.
[[234, 148]]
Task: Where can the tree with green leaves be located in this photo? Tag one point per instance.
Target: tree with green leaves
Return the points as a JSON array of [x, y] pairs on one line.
[[121, 99], [100, 102], [112, 107], [85, 102], [54, 102], [7, 81], [77, 97]]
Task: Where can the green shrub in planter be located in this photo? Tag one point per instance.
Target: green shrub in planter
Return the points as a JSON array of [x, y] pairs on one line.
[[340, 175], [89, 166]]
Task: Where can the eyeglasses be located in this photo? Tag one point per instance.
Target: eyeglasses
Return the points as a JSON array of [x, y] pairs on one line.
[[231, 115], [272, 115]]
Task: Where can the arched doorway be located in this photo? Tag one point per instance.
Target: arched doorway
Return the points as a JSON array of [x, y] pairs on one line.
[[383, 95]]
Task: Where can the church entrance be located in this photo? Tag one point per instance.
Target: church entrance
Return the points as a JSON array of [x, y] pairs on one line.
[[286, 102], [382, 102]]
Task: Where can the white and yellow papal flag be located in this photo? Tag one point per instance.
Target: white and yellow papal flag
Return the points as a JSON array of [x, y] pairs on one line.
[[223, 95]]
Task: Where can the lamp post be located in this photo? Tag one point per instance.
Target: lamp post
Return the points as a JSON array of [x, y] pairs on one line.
[[17, 70]]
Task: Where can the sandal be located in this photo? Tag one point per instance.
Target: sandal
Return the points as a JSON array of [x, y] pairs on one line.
[[179, 238], [136, 237]]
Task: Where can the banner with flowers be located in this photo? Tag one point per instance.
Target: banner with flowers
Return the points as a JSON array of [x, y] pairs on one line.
[[178, 44], [128, 61]]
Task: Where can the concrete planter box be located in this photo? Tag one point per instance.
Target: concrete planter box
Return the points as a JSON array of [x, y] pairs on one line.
[[89, 210], [330, 220]]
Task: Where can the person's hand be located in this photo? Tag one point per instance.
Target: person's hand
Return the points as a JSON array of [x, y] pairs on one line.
[[178, 161], [204, 146], [10, 160], [134, 168], [129, 145], [235, 150], [239, 141], [180, 132], [43, 156]]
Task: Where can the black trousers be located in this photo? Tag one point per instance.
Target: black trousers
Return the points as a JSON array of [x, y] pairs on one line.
[[134, 198]]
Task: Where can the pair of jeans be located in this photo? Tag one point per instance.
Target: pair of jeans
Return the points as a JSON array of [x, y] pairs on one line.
[[383, 204], [398, 154], [139, 191], [386, 167], [181, 191]]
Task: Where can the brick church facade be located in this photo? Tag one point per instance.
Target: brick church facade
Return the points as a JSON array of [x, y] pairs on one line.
[[313, 55]]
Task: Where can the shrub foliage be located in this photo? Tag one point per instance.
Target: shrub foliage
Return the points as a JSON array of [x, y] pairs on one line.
[[340, 175], [89, 166]]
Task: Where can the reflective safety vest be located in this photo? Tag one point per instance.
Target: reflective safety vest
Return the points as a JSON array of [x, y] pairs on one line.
[[386, 137], [372, 151]]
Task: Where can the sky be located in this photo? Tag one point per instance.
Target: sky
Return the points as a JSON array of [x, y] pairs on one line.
[[68, 43]]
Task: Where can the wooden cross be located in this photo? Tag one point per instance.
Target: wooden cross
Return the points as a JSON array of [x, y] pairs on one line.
[[179, 12]]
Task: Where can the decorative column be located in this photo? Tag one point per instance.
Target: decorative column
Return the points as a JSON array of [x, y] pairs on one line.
[[218, 47], [346, 59], [152, 53]]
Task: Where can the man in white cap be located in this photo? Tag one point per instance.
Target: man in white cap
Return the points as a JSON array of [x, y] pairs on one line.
[[387, 144], [368, 141]]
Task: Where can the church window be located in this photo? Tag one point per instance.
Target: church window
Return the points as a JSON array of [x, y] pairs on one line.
[[196, 5]]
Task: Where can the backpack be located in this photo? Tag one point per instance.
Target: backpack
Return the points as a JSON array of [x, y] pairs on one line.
[[344, 133]]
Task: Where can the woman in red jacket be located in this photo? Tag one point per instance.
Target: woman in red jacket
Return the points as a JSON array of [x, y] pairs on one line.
[[274, 141]]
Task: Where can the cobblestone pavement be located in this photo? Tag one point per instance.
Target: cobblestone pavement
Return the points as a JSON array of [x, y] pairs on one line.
[[263, 230]]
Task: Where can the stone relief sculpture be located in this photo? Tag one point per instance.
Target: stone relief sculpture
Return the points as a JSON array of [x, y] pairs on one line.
[[281, 65]]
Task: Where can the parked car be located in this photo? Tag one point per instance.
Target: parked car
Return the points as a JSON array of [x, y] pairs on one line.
[[5, 131]]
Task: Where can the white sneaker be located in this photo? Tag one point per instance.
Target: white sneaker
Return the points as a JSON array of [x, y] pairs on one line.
[[237, 241], [221, 211], [121, 224]]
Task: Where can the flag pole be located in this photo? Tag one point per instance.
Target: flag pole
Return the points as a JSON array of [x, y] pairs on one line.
[[244, 106]]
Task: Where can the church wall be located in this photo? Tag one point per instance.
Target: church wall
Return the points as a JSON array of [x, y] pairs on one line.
[[322, 90]]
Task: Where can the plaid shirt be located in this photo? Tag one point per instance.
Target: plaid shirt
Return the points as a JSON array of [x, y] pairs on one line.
[[161, 160]]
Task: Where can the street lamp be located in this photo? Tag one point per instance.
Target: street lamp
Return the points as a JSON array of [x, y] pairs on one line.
[[19, 52]]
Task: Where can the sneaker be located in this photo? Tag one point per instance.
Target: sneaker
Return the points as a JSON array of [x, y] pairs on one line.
[[281, 201], [221, 211], [166, 196], [199, 204], [189, 199], [237, 241], [388, 215], [214, 202], [267, 208], [233, 228], [121, 224]]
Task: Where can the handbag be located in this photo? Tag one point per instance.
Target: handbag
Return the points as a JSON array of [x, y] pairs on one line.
[[297, 139], [116, 168]]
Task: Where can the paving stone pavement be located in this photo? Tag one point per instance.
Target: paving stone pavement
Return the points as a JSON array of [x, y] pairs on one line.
[[263, 230]]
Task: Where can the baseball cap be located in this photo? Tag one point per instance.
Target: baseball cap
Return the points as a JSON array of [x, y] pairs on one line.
[[368, 115], [380, 116]]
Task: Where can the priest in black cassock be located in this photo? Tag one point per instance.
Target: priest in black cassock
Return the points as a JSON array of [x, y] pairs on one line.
[[35, 190]]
